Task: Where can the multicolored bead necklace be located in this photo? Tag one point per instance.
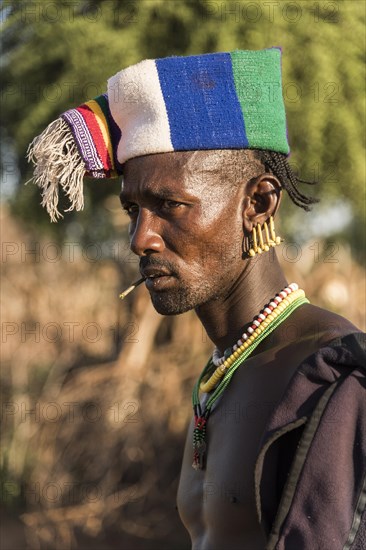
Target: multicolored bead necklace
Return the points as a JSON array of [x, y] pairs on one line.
[[272, 315], [256, 323]]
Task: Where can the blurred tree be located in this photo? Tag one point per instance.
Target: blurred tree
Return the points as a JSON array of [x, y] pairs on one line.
[[56, 55]]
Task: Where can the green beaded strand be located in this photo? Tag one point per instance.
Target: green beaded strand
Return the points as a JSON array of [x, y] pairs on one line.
[[227, 378]]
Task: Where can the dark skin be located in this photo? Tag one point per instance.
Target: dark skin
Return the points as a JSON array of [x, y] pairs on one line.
[[187, 227]]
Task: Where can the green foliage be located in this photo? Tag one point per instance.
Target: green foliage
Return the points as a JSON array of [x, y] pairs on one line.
[[56, 55]]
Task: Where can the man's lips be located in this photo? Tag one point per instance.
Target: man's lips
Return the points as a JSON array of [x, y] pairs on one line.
[[157, 278], [153, 272]]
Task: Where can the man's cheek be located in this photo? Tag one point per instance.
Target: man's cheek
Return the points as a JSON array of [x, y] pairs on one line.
[[222, 252]]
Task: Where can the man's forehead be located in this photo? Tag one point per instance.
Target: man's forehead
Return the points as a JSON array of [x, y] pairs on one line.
[[191, 161], [168, 169], [187, 168]]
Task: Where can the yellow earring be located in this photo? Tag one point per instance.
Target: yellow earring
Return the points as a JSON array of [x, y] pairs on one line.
[[270, 238], [274, 239]]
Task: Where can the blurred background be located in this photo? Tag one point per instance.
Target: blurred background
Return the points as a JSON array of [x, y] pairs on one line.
[[95, 392]]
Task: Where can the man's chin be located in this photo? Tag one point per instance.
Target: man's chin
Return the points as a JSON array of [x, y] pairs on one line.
[[166, 304]]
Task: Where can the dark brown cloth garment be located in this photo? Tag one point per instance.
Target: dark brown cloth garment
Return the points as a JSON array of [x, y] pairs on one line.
[[317, 436]]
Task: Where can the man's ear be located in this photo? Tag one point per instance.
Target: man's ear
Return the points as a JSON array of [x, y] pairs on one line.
[[262, 199]]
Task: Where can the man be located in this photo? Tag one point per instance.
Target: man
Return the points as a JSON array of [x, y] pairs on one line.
[[278, 438]]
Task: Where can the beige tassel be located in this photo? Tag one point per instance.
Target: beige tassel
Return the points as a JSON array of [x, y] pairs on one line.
[[57, 163]]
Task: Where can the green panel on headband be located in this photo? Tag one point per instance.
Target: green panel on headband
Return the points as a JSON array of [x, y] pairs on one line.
[[258, 83]]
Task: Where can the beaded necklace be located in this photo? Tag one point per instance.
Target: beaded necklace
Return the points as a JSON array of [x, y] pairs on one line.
[[221, 377], [257, 321]]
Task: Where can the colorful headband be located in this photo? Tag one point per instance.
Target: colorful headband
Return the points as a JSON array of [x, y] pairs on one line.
[[211, 101]]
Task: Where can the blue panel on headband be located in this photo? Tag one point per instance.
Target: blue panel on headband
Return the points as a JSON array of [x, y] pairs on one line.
[[201, 101]]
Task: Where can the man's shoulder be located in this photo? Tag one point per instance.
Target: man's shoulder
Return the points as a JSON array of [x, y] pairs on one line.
[[328, 322], [311, 333], [330, 353], [322, 326]]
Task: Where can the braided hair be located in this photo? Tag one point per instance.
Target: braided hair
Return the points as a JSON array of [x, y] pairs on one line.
[[277, 164]]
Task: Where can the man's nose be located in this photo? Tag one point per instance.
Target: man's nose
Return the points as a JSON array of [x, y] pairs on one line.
[[145, 235]]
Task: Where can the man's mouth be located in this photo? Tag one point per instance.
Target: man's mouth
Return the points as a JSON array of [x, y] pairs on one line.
[[157, 278]]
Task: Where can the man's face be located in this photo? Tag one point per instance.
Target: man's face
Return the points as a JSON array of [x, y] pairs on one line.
[[186, 227]]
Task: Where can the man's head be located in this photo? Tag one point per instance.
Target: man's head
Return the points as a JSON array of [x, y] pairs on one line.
[[189, 212], [201, 142]]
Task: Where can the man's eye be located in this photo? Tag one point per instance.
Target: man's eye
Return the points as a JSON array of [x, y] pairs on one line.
[[131, 209], [168, 205]]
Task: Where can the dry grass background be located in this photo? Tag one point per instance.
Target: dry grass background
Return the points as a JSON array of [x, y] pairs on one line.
[[96, 464]]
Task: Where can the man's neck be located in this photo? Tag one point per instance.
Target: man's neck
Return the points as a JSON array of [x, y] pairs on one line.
[[224, 319]]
